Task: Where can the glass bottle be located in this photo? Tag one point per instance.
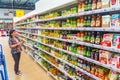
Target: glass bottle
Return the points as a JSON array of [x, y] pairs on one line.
[[92, 38], [89, 4], [89, 21], [98, 38], [99, 21], [99, 4], [93, 21], [94, 5]]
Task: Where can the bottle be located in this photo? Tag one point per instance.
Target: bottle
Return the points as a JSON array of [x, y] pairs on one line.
[[99, 21], [92, 54], [88, 52], [89, 4], [88, 36], [94, 5], [98, 38], [85, 37], [85, 21], [83, 6], [93, 21], [92, 38], [86, 5], [82, 22], [82, 36], [97, 55], [88, 67], [80, 7], [85, 51], [89, 21], [99, 4]]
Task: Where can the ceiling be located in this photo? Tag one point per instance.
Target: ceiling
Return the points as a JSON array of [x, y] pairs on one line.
[[18, 4]]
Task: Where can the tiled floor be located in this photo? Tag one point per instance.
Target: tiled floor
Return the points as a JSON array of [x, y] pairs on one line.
[[30, 69]]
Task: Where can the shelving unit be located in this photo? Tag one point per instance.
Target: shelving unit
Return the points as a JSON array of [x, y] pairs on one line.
[[39, 31]]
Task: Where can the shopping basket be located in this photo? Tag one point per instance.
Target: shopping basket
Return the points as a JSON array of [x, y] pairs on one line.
[[3, 68]]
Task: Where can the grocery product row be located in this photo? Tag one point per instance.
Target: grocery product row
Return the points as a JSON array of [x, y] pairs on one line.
[[95, 21], [106, 39], [58, 75], [82, 6], [83, 64]]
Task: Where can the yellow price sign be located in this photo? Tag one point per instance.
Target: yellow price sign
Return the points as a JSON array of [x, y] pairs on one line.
[[19, 13]]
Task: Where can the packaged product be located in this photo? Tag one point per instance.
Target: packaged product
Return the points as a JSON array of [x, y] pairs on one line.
[[114, 3], [115, 21], [102, 73], [112, 75], [113, 60], [104, 56], [106, 21], [107, 40], [116, 40], [105, 3]]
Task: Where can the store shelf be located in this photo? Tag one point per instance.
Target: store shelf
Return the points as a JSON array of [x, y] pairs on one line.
[[23, 23], [58, 68], [108, 29], [85, 72], [84, 58], [82, 14], [84, 43], [47, 70]]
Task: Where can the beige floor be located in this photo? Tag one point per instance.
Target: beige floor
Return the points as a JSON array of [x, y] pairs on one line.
[[30, 69]]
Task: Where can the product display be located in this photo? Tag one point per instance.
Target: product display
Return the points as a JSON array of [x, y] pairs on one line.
[[77, 42]]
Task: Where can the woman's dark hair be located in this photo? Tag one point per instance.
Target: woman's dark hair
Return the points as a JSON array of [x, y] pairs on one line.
[[10, 33]]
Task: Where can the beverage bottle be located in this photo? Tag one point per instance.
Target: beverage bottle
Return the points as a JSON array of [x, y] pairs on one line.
[[89, 37], [97, 55], [89, 21], [92, 38], [94, 5], [89, 4], [99, 4], [93, 21], [86, 5], [99, 21], [88, 52], [98, 38]]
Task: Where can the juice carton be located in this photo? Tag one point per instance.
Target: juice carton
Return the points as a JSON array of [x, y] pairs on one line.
[[104, 56], [116, 40], [115, 21]]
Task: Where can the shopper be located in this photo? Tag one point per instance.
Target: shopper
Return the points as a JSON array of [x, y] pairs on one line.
[[15, 45]]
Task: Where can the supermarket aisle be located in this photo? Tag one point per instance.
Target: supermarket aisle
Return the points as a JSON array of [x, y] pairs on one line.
[[30, 70]]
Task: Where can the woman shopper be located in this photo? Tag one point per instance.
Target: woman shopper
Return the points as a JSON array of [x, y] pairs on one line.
[[15, 45]]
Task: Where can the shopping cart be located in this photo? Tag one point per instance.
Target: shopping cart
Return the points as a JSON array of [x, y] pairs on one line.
[[3, 69]]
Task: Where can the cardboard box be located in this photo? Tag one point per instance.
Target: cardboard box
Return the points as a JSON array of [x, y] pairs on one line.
[[106, 19], [104, 56]]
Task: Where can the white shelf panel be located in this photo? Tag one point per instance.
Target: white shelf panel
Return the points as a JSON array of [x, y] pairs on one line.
[[108, 29]]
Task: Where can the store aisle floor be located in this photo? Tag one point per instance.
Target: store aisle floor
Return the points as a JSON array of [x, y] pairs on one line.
[[30, 69]]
